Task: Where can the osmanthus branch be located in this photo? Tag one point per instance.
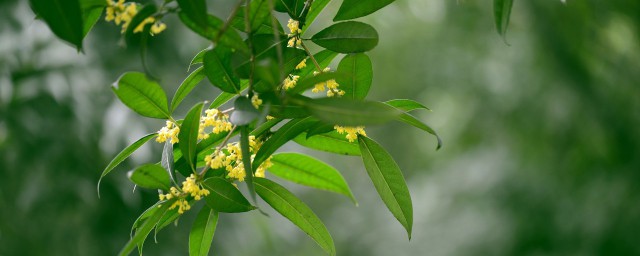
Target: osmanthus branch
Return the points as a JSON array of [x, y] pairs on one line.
[[306, 49]]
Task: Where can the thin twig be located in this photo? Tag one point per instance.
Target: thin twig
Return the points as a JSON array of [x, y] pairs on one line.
[[311, 56], [225, 26]]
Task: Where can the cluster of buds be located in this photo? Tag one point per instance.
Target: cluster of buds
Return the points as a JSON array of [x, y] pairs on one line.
[[230, 158], [190, 187], [122, 13]]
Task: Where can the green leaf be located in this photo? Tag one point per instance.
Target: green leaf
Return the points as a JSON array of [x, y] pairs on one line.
[[244, 112], [347, 37], [151, 176], [196, 9], [406, 105], [296, 211], [246, 161], [225, 197], [225, 97], [310, 81], [91, 12], [293, 7], [167, 161], [266, 27], [266, 126], [142, 95], [187, 86], [320, 128], [347, 112], [259, 14], [324, 58], [502, 13], [351, 9], [229, 38], [332, 142], [64, 18], [308, 171], [124, 154], [411, 120], [217, 66], [316, 7], [145, 229], [359, 67], [199, 58], [388, 181], [286, 133], [188, 135], [202, 232]]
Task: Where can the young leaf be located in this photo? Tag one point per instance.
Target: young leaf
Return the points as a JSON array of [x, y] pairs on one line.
[[316, 7], [196, 9], [225, 197], [202, 232], [91, 12], [151, 176], [351, 9], [296, 211], [188, 135], [406, 105], [308, 171], [199, 58], [357, 85], [388, 181], [347, 112], [286, 133], [502, 13], [145, 229], [167, 161], [142, 95], [244, 112], [347, 37], [411, 120], [64, 18], [332, 142], [124, 154], [186, 87], [217, 66]]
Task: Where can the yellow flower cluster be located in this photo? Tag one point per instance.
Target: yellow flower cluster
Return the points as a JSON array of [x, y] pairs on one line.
[[189, 188], [352, 132], [331, 85], [121, 13], [231, 160], [256, 101], [294, 27], [290, 82], [302, 64], [169, 132], [216, 119]]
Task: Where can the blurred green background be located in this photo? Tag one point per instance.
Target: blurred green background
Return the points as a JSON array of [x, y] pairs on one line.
[[541, 154]]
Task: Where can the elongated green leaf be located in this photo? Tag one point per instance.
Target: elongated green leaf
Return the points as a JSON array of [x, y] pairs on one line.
[[196, 9], [202, 232], [406, 105], [142, 95], [246, 161], [266, 27], [259, 14], [188, 135], [502, 13], [347, 37], [293, 7], [124, 154], [145, 229], [351, 9], [359, 67], [167, 161], [388, 181], [187, 86], [332, 142], [308, 171], [225, 97], [64, 18], [320, 128], [411, 120], [198, 59], [217, 67], [347, 112], [314, 10], [91, 11], [286, 133], [225, 197], [229, 38], [244, 112], [266, 126], [144, 216], [296, 211], [151, 176]]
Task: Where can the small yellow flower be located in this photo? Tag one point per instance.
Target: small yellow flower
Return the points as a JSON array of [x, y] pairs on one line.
[[302, 64], [256, 101], [146, 21], [294, 27], [290, 82], [190, 187], [169, 132], [352, 132]]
